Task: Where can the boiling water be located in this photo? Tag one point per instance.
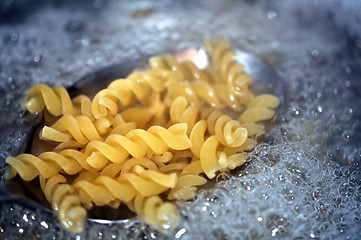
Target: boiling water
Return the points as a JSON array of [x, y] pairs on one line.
[[304, 184]]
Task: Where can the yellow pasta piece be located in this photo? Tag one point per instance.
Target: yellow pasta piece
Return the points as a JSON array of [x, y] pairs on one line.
[[46, 164], [123, 129], [84, 104], [193, 168], [253, 128], [137, 84], [153, 111], [81, 128], [173, 167], [181, 113], [145, 187], [232, 161], [156, 212], [186, 182], [138, 142], [64, 202], [256, 114], [197, 137], [224, 59], [264, 100], [104, 189], [208, 157], [228, 131], [56, 100], [165, 180], [144, 162], [199, 85]]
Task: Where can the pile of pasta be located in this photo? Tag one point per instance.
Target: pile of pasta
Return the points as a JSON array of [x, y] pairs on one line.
[[147, 140]]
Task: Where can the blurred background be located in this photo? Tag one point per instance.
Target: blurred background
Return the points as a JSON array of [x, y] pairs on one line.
[[304, 184]]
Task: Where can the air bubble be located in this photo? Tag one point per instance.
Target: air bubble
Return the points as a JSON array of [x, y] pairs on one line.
[[331, 154], [266, 160], [317, 193], [271, 14], [11, 38], [346, 171], [345, 189], [354, 159], [295, 112], [263, 149], [347, 134], [288, 194], [38, 59], [314, 53], [14, 37]]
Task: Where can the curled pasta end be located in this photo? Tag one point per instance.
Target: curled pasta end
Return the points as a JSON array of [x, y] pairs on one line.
[[161, 215], [10, 173], [34, 104]]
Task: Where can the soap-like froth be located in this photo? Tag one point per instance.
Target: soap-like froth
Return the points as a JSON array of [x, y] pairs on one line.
[[304, 184]]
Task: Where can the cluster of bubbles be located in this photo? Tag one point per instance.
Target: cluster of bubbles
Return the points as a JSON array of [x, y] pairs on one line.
[[304, 183]]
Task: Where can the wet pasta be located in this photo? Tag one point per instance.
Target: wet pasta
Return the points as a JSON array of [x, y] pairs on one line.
[[146, 140]]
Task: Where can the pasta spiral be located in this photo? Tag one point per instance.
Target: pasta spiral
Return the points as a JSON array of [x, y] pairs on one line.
[[65, 202], [81, 128], [122, 90], [260, 108], [48, 164], [228, 131], [181, 113], [189, 71], [159, 214], [138, 142], [223, 129], [196, 84], [56, 100], [224, 58], [104, 189]]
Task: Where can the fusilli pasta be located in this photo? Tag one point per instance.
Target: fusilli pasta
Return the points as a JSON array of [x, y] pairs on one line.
[[65, 202], [146, 140]]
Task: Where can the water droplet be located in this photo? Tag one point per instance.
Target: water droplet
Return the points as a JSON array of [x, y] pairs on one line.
[[317, 193], [38, 58], [314, 53], [271, 14], [319, 109], [345, 189], [347, 135], [263, 149], [295, 112], [354, 159], [331, 154]]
